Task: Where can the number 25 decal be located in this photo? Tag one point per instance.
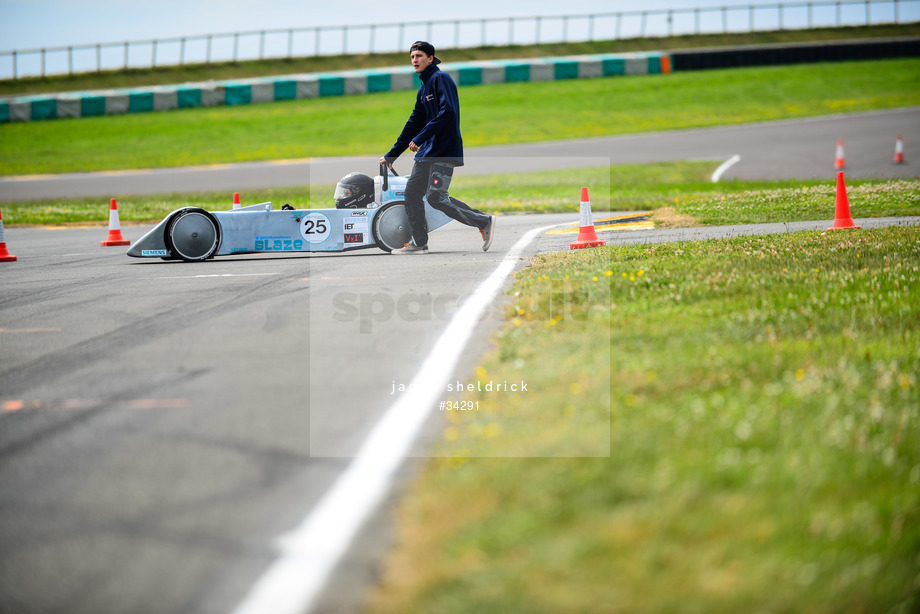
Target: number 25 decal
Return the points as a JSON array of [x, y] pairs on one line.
[[315, 227], [318, 228]]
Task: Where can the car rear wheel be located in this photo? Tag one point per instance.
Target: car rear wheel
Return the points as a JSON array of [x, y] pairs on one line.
[[193, 235]]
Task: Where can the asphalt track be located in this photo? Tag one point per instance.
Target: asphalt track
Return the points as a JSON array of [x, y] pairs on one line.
[[794, 149], [162, 424]]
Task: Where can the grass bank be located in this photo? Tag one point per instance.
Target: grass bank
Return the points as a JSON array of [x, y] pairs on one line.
[[680, 193], [229, 70], [496, 114], [762, 406]]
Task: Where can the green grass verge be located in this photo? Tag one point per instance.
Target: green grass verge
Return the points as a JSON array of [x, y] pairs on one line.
[[496, 114], [764, 437], [220, 71], [678, 191], [792, 204], [515, 193]]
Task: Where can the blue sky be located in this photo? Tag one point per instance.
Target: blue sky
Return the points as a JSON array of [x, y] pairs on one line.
[[35, 24], [31, 24]]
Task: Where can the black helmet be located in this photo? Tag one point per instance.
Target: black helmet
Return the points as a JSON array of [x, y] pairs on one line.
[[353, 191]]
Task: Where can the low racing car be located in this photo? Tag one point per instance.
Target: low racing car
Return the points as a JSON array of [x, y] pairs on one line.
[[368, 213]]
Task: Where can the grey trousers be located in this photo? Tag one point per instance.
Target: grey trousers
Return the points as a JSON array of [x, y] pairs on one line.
[[431, 180]]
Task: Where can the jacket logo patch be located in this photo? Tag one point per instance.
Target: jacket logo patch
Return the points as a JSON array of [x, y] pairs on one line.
[[429, 97]]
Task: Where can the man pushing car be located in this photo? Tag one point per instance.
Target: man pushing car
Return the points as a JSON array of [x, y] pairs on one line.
[[433, 134]]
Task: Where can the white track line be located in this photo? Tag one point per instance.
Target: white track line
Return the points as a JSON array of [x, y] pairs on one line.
[[735, 159], [311, 551]]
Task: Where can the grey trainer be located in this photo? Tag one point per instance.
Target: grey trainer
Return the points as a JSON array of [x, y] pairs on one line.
[[487, 233], [409, 249]]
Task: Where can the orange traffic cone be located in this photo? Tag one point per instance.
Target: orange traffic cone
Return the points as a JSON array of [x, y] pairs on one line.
[[5, 255], [586, 235], [115, 237], [899, 151], [236, 200], [842, 219], [839, 160]]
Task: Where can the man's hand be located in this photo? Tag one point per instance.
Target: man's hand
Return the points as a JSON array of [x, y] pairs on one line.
[[413, 147]]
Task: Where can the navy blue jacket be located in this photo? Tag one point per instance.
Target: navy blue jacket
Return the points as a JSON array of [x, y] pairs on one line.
[[435, 122]]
